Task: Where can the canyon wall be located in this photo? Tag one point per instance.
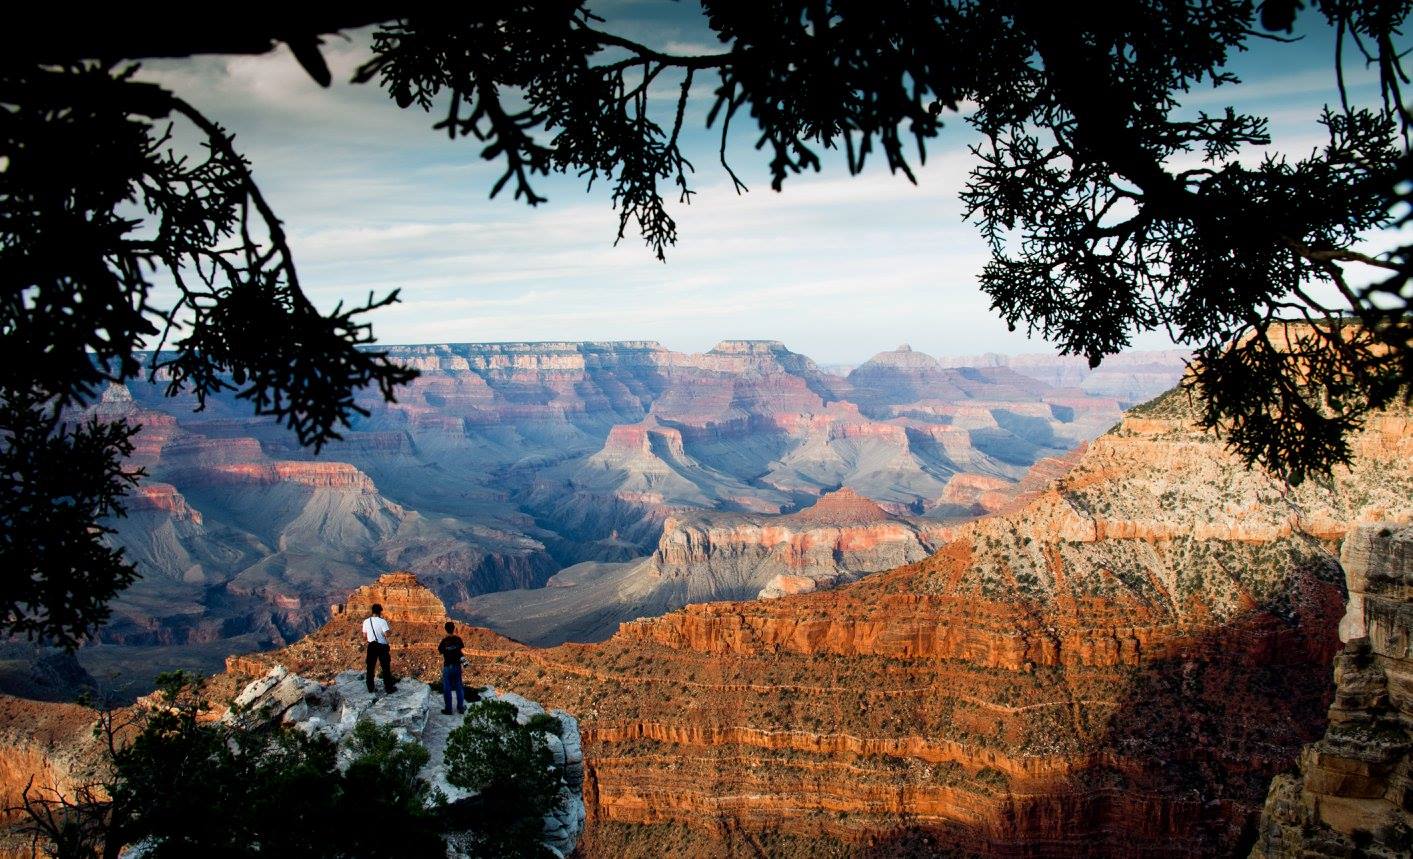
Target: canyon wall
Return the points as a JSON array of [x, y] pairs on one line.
[[504, 463], [1120, 666], [706, 557], [1353, 792]]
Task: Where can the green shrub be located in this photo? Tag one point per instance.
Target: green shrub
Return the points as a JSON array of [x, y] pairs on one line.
[[186, 787], [512, 769], [545, 723]]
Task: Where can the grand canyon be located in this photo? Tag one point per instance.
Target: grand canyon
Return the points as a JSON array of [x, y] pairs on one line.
[[552, 490], [583, 417], [913, 610]]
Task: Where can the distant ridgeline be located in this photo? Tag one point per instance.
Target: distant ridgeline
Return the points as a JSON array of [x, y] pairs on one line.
[[504, 463]]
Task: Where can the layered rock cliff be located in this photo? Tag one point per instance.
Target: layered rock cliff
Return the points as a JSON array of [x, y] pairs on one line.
[[233, 543], [1353, 792], [504, 463], [709, 557], [1117, 668]]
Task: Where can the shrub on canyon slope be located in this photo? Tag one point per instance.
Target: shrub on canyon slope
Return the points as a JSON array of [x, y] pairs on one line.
[[187, 787], [511, 766]]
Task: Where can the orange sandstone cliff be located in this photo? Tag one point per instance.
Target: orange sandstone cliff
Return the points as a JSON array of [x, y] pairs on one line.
[[1120, 667]]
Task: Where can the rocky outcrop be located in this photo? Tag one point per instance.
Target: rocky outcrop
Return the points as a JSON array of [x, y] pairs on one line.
[[843, 507], [163, 497], [1353, 792], [414, 613], [403, 599], [332, 710], [709, 557], [319, 475], [1116, 668], [307, 686]]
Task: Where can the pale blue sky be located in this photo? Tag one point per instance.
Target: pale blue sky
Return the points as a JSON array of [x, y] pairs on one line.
[[837, 267]]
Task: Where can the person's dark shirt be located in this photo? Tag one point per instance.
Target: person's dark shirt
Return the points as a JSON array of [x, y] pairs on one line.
[[450, 649]]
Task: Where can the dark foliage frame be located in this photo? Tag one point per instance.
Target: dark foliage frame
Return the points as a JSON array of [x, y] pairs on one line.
[[1095, 236]]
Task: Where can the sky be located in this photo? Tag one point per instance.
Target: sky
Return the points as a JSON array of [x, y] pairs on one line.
[[837, 267]]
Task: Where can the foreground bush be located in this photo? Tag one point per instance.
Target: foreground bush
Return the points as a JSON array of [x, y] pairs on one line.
[[512, 768], [179, 786]]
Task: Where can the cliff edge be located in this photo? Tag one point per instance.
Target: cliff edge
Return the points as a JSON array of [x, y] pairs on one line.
[[1353, 792]]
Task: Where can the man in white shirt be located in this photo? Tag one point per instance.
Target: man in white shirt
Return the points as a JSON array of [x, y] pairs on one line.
[[376, 630]]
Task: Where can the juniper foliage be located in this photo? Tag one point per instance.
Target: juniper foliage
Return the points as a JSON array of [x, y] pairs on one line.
[[1109, 208]]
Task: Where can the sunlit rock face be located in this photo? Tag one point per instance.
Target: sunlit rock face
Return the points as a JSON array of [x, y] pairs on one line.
[[1119, 666], [706, 557], [414, 613], [1352, 793], [503, 464]]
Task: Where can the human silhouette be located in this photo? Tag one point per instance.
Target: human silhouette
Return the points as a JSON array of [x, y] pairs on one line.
[[450, 649], [376, 630]]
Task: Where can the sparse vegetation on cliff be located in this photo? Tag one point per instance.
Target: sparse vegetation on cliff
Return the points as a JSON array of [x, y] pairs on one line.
[[512, 769], [1074, 191], [180, 784]]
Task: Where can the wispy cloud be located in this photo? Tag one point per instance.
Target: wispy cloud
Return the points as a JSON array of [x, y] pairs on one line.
[[837, 266]]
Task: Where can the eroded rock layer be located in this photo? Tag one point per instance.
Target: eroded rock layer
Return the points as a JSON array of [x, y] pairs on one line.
[[705, 557], [1353, 792], [1118, 668], [504, 463]]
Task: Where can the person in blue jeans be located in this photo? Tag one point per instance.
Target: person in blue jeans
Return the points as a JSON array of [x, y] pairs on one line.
[[450, 649]]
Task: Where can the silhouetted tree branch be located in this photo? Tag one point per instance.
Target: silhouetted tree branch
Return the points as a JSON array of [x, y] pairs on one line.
[[1099, 224]]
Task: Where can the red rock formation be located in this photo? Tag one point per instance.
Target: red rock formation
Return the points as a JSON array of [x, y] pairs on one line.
[[640, 438], [1118, 668], [706, 557], [151, 495], [319, 475], [415, 615], [842, 507], [403, 598], [970, 489]]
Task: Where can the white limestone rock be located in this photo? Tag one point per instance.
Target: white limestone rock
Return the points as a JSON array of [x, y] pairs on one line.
[[524, 706], [279, 696], [413, 711]]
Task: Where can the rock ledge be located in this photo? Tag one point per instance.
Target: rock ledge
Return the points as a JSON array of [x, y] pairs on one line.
[[413, 711]]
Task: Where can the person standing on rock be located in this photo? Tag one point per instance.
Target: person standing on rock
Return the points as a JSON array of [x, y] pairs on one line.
[[450, 649], [376, 630]]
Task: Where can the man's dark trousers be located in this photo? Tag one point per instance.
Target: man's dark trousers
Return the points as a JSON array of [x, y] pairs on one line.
[[380, 654], [451, 682]]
